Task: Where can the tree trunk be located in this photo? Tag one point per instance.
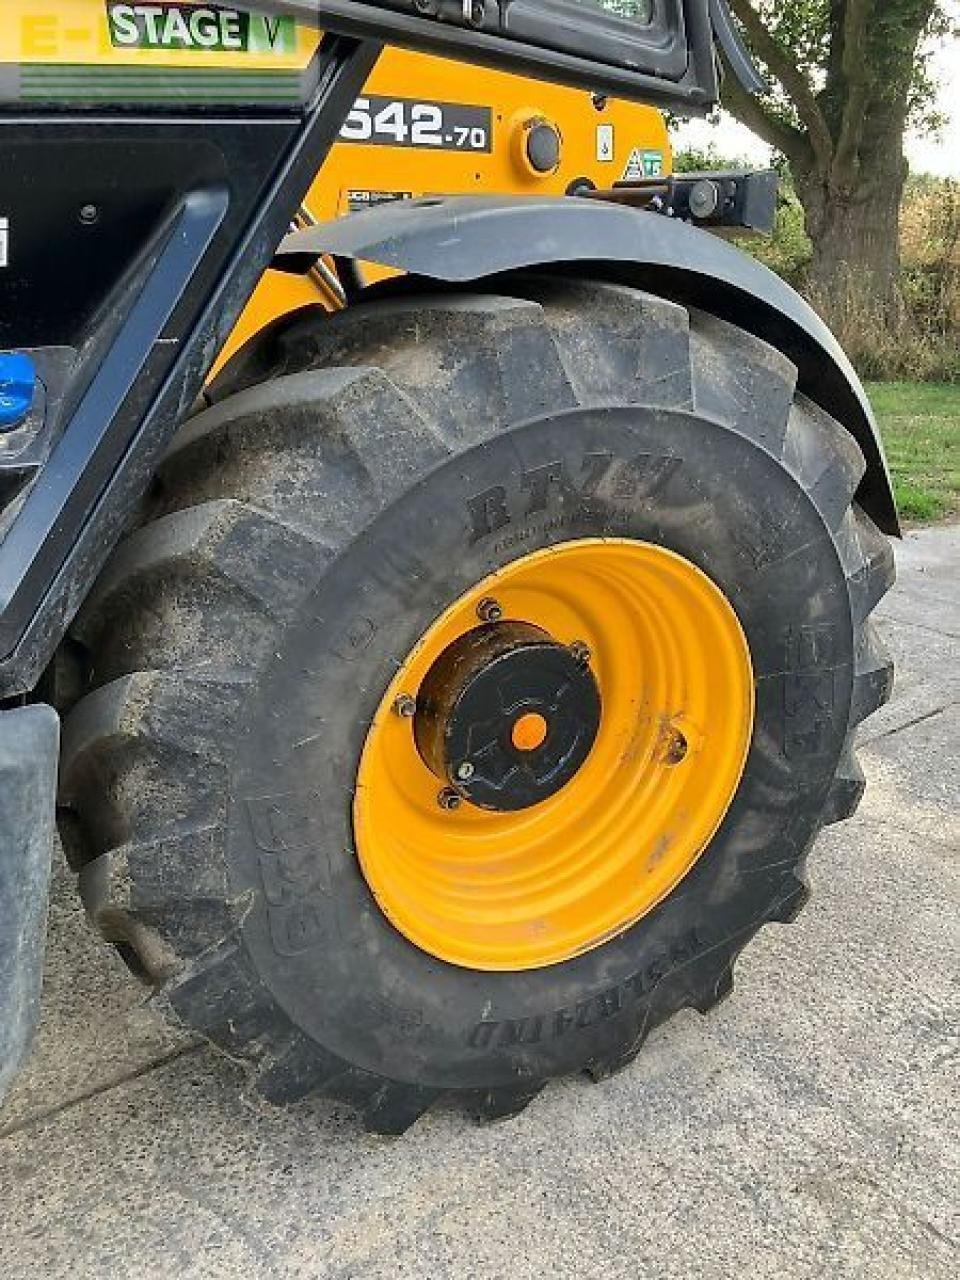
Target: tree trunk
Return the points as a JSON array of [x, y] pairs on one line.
[[855, 239], [853, 220]]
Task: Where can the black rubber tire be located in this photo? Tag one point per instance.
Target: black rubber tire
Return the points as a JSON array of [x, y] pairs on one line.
[[360, 474]]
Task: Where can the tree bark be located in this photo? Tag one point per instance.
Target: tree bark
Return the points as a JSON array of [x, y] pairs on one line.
[[854, 229]]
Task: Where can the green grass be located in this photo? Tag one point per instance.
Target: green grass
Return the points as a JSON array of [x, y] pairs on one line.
[[920, 423]]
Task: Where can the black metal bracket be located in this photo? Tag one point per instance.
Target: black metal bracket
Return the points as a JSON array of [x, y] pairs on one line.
[[734, 200]]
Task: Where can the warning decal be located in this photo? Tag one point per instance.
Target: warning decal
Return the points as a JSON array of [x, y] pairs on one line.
[[643, 164]]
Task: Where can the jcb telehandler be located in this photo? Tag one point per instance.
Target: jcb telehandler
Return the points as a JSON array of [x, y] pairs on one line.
[[455, 683]]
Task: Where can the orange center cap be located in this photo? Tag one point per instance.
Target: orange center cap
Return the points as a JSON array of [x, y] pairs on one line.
[[529, 732]]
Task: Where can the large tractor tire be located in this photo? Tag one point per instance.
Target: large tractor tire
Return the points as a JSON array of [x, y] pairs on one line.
[[473, 690]]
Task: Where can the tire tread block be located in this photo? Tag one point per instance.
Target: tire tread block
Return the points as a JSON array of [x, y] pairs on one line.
[[395, 1107], [872, 571], [828, 463], [297, 1071], [221, 997], [846, 791], [612, 335], [320, 450], [741, 381], [204, 588], [873, 678], [176, 889], [447, 353], [490, 1106], [144, 759]]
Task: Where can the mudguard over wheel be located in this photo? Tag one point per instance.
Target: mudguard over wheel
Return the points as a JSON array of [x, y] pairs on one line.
[[474, 690]]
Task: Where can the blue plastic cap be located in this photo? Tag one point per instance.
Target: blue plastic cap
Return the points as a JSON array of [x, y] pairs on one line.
[[18, 386]]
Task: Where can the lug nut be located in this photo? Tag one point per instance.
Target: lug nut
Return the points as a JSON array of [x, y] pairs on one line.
[[466, 771], [448, 799], [581, 653], [489, 610], [405, 705], [676, 748]]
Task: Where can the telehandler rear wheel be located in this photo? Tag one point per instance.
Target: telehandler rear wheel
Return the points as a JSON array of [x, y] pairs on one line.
[[474, 690]]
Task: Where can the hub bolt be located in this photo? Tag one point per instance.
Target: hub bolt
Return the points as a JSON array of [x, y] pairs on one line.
[[581, 653], [449, 800], [489, 610], [405, 705], [466, 771], [676, 748]]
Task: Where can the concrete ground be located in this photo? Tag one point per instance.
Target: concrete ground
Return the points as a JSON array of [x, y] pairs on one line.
[[807, 1128]]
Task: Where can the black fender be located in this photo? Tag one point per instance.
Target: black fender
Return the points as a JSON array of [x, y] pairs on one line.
[[464, 239]]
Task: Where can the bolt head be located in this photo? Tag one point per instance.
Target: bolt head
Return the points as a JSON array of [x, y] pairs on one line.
[[489, 610], [405, 705], [449, 800], [581, 652], [465, 771]]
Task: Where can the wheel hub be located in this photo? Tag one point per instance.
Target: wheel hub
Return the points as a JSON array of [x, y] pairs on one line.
[[507, 716]]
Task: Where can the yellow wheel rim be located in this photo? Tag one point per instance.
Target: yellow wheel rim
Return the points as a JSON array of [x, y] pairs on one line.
[[521, 890]]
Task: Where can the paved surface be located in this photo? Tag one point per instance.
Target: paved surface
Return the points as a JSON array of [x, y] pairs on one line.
[[807, 1128]]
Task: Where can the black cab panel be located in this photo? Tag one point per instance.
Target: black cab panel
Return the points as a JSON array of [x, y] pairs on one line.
[[660, 51]]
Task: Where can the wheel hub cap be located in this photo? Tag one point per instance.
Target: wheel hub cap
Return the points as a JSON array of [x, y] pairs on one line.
[[507, 716]]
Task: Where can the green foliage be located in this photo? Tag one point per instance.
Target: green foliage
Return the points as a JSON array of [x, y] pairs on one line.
[[916, 504], [788, 250], [930, 251], [884, 342], [803, 28], [698, 159], [921, 430], [812, 33]]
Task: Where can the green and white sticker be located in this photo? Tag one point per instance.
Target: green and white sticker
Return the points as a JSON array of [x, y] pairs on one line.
[[207, 29], [643, 163]]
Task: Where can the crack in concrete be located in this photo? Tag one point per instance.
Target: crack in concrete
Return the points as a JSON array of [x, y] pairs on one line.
[[32, 1121], [908, 724], [918, 626]]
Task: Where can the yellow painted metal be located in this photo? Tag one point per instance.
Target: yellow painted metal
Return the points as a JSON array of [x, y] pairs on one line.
[[77, 33], [512, 891], [515, 101]]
